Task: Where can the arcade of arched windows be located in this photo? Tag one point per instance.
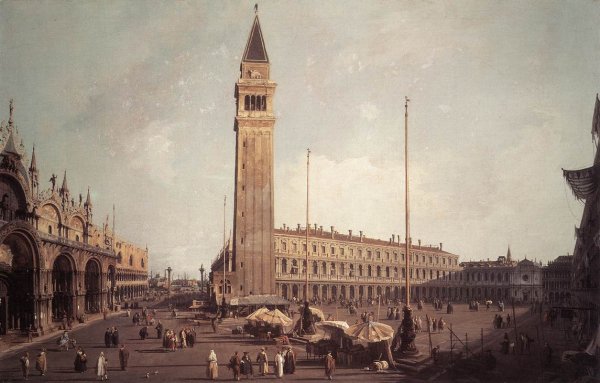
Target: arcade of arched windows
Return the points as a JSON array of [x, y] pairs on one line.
[[332, 290], [295, 268], [130, 276]]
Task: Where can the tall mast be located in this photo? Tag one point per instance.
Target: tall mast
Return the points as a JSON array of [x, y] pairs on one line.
[[406, 205], [224, 250], [307, 224]]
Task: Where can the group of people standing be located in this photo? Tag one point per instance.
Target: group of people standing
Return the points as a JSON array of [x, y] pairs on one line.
[[111, 337], [182, 339], [41, 363], [284, 363], [501, 322]]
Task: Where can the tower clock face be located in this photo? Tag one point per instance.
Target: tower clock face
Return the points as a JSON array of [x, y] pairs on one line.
[[525, 277]]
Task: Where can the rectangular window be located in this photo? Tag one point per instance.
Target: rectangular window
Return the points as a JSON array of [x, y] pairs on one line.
[[369, 254], [332, 250], [322, 249], [304, 247], [314, 248], [379, 255], [341, 251], [352, 252]]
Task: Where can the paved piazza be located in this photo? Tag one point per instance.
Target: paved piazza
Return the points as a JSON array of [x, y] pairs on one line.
[[189, 364]]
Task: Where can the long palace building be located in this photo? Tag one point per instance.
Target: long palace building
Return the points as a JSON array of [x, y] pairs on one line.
[[53, 260], [260, 259]]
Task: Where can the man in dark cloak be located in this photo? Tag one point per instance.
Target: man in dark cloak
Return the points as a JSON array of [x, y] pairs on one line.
[[107, 337]]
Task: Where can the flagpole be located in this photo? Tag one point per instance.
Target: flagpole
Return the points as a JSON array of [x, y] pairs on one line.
[[307, 224], [407, 206], [224, 251]]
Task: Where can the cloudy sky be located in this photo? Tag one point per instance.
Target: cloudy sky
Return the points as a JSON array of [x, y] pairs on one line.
[[135, 99]]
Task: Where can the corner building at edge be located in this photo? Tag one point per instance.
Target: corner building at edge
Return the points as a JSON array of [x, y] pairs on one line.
[[262, 260]]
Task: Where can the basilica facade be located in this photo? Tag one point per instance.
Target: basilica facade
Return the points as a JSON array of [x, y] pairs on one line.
[[54, 261]]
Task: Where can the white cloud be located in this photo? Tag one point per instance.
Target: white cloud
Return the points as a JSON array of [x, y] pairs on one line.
[[369, 111], [150, 151]]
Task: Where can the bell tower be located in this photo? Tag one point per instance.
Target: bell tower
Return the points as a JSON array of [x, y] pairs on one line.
[[253, 262]]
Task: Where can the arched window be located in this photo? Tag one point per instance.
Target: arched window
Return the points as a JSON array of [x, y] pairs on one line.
[[258, 103], [478, 277], [332, 268], [505, 277], [360, 270], [264, 103], [369, 271], [387, 269], [284, 265], [247, 102], [379, 271], [130, 260], [143, 264], [395, 272], [492, 277], [315, 267], [76, 237], [283, 246], [49, 229], [252, 102]]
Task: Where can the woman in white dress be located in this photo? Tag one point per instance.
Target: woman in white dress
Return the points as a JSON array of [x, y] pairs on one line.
[[101, 366], [212, 368], [279, 364]]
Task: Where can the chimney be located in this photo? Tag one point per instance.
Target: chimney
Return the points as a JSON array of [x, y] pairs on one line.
[[298, 228], [332, 232], [350, 234], [284, 226], [321, 229], [419, 243], [441, 245], [393, 238], [315, 228], [361, 236]]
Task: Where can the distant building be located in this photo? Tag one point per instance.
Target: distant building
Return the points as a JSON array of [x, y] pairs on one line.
[[54, 261], [557, 277], [503, 279]]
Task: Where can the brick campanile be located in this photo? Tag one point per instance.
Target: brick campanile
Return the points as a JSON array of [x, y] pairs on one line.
[[253, 262]]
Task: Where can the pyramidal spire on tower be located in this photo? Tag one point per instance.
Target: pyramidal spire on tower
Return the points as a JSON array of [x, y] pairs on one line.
[[508, 256], [255, 47]]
